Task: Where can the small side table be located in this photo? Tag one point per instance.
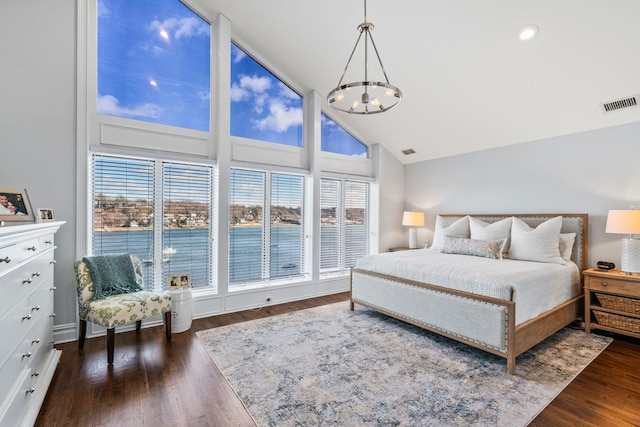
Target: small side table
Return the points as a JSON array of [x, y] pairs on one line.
[[612, 302]]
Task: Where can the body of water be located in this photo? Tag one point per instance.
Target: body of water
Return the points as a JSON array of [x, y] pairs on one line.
[[188, 251]]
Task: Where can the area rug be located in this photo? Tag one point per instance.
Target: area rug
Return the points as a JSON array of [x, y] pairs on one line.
[[328, 366]]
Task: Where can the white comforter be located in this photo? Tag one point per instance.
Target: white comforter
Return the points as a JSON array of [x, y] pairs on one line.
[[535, 287]]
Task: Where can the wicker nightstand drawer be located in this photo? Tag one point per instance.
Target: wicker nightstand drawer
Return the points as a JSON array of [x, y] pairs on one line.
[[612, 302]]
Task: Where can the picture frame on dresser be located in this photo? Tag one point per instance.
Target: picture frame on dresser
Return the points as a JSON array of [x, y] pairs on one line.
[[15, 206], [45, 215]]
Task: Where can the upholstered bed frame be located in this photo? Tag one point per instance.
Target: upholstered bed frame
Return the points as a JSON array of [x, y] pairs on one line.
[[448, 312]]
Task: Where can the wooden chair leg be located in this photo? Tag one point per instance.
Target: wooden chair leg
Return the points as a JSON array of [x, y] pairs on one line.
[[138, 324], [83, 334], [167, 325], [110, 344]]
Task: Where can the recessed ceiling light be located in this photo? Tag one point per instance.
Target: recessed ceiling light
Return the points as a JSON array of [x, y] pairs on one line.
[[528, 32]]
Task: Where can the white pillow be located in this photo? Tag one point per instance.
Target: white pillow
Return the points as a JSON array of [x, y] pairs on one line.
[[481, 230], [482, 248], [541, 244], [445, 227], [566, 245]]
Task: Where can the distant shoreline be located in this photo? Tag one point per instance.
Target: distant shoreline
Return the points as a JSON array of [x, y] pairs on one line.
[[255, 224]]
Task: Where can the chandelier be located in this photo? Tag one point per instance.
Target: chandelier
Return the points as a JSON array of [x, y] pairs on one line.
[[365, 97]]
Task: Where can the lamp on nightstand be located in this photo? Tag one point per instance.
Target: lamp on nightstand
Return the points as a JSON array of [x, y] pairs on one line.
[[626, 222], [413, 220]]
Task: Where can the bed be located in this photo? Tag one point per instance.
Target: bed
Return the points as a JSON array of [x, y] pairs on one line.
[[502, 299]]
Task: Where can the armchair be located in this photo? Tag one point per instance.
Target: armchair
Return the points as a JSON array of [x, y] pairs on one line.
[[119, 308]]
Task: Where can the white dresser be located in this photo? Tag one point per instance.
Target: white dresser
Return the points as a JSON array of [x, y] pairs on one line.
[[27, 356]]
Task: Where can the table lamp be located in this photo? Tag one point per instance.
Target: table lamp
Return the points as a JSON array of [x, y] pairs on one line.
[[413, 220], [626, 222]]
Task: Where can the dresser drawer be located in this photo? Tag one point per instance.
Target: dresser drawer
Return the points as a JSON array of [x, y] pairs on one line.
[[614, 285], [15, 325], [17, 401], [10, 370], [21, 282], [14, 253], [38, 339]]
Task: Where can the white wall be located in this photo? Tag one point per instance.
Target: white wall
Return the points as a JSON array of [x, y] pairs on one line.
[[589, 172], [390, 176], [37, 121]]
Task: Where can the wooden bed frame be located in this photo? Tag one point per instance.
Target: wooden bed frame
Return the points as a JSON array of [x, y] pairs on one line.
[[517, 339]]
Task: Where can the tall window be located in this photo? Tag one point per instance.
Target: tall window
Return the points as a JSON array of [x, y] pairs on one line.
[[262, 106], [267, 227], [157, 210], [334, 139], [154, 63], [344, 228]]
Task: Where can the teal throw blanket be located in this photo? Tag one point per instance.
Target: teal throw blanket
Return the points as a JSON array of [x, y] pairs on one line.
[[112, 274]]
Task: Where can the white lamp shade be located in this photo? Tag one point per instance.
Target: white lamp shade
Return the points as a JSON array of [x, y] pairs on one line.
[[413, 219], [626, 222], [623, 222]]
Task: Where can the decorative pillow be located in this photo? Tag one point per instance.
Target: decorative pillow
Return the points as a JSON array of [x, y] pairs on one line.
[[481, 230], [566, 245], [541, 244], [449, 227], [112, 274], [484, 248]]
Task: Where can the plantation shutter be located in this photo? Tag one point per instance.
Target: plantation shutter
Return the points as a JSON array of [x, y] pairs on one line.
[[123, 203], [186, 236], [247, 258], [286, 234], [330, 225]]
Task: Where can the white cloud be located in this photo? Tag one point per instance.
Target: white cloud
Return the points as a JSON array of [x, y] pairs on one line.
[[287, 92], [251, 86], [108, 104], [239, 55], [280, 118], [102, 9], [184, 27], [238, 93], [255, 83]]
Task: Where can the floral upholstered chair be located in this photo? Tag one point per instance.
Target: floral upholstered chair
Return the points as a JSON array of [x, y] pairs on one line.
[[115, 308]]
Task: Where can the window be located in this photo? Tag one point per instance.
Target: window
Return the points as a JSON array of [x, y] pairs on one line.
[[344, 227], [154, 63], [157, 210], [267, 238], [262, 106], [337, 140]]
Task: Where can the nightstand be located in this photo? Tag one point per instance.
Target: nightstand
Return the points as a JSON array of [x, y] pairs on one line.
[[612, 302], [402, 248]]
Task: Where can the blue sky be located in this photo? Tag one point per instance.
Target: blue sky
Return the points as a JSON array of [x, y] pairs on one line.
[[154, 65]]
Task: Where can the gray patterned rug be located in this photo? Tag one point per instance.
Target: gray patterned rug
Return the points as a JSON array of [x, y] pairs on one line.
[[332, 367]]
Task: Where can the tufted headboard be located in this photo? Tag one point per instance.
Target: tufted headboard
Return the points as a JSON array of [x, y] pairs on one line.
[[571, 223]]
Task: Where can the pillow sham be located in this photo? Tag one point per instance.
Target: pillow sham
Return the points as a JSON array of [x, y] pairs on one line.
[[540, 244], [449, 227], [482, 248], [566, 245], [481, 230]]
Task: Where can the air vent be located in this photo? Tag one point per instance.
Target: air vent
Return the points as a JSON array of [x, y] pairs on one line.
[[621, 103], [409, 151]]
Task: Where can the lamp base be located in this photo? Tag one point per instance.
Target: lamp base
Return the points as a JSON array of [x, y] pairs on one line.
[[412, 238], [630, 260]]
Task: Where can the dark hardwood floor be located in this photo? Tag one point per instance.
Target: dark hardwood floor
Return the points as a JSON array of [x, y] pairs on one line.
[[176, 384]]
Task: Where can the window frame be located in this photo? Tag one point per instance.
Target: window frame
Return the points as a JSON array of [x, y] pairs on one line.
[[342, 268], [158, 170], [266, 279], [106, 130]]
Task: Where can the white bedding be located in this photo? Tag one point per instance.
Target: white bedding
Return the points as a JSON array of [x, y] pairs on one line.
[[535, 287]]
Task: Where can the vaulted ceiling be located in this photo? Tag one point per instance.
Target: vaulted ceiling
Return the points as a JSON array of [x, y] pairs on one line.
[[468, 82]]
